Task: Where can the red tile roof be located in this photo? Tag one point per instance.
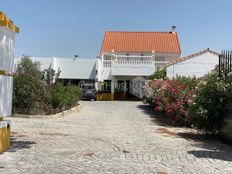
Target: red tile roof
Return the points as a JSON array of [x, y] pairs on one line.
[[163, 42]]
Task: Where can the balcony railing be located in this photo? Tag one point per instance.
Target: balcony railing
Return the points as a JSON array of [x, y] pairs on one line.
[[121, 59], [107, 63], [133, 60]]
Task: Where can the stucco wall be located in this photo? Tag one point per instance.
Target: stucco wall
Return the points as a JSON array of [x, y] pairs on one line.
[[104, 73], [80, 68], [6, 49], [7, 38], [197, 66], [132, 69]]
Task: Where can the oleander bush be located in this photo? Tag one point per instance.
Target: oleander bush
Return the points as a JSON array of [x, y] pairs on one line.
[[170, 97], [200, 103], [210, 104]]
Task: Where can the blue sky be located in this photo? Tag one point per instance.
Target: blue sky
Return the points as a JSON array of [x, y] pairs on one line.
[[68, 27]]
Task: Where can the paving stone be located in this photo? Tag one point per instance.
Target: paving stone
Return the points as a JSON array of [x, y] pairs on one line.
[[110, 137]]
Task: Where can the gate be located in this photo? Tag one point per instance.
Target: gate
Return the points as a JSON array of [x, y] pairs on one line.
[[225, 66]]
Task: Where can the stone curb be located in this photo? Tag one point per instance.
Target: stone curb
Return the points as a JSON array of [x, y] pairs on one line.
[[58, 115]]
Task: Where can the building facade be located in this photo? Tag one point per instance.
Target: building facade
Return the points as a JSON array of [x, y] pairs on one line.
[[197, 64], [127, 58]]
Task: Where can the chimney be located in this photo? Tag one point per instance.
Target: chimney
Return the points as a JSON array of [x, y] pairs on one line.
[[173, 29]]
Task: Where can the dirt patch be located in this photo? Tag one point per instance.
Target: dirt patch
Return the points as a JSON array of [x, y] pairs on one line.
[[89, 154], [166, 133], [162, 172], [54, 134]]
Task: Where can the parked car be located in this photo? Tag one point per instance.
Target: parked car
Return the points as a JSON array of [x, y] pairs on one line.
[[88, 91]]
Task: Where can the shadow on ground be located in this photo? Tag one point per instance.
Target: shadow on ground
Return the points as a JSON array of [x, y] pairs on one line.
[[207, 147], [17, 144], [157, 118]]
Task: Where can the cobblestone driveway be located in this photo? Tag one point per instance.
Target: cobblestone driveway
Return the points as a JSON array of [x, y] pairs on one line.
[[110, 137]]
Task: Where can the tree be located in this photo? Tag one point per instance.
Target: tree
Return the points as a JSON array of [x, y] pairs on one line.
[[50, 75], [159, 74], [28, 66]]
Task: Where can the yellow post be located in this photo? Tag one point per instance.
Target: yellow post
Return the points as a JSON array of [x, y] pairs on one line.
[[112, 96], [1, 141], [4, 136]]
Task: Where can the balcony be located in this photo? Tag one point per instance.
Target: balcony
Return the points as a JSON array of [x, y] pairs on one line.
[[132, 65]]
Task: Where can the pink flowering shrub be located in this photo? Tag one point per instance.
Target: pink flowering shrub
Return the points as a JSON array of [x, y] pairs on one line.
[[170, 97]]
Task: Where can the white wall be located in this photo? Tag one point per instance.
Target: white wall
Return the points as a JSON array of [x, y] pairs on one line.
[[80, 68], [7, 38], [132, 69], [6, 49], [196, 66], [105, 73]]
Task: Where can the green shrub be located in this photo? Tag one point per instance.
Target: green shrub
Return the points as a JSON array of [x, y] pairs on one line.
[[73, 94], [189, 82], [29, 95], [159, 74], [57, 96], [64, 97], [35, 93], [211, 103]]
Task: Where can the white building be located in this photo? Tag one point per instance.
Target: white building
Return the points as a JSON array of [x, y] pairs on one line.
[[72, 70], [197, 64], [127, 56]]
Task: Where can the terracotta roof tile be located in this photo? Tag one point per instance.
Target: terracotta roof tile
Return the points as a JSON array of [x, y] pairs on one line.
[[141, 42]]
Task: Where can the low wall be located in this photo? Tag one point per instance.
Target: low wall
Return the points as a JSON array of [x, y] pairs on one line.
[[109, 96], [105, 96]]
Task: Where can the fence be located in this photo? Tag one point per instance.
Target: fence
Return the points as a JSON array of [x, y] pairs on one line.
[[225, 66]]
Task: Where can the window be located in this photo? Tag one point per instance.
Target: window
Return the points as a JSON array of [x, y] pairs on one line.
[[107, 85]]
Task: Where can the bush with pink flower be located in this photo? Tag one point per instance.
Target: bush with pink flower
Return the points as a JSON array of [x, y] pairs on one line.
[[172, 97]]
